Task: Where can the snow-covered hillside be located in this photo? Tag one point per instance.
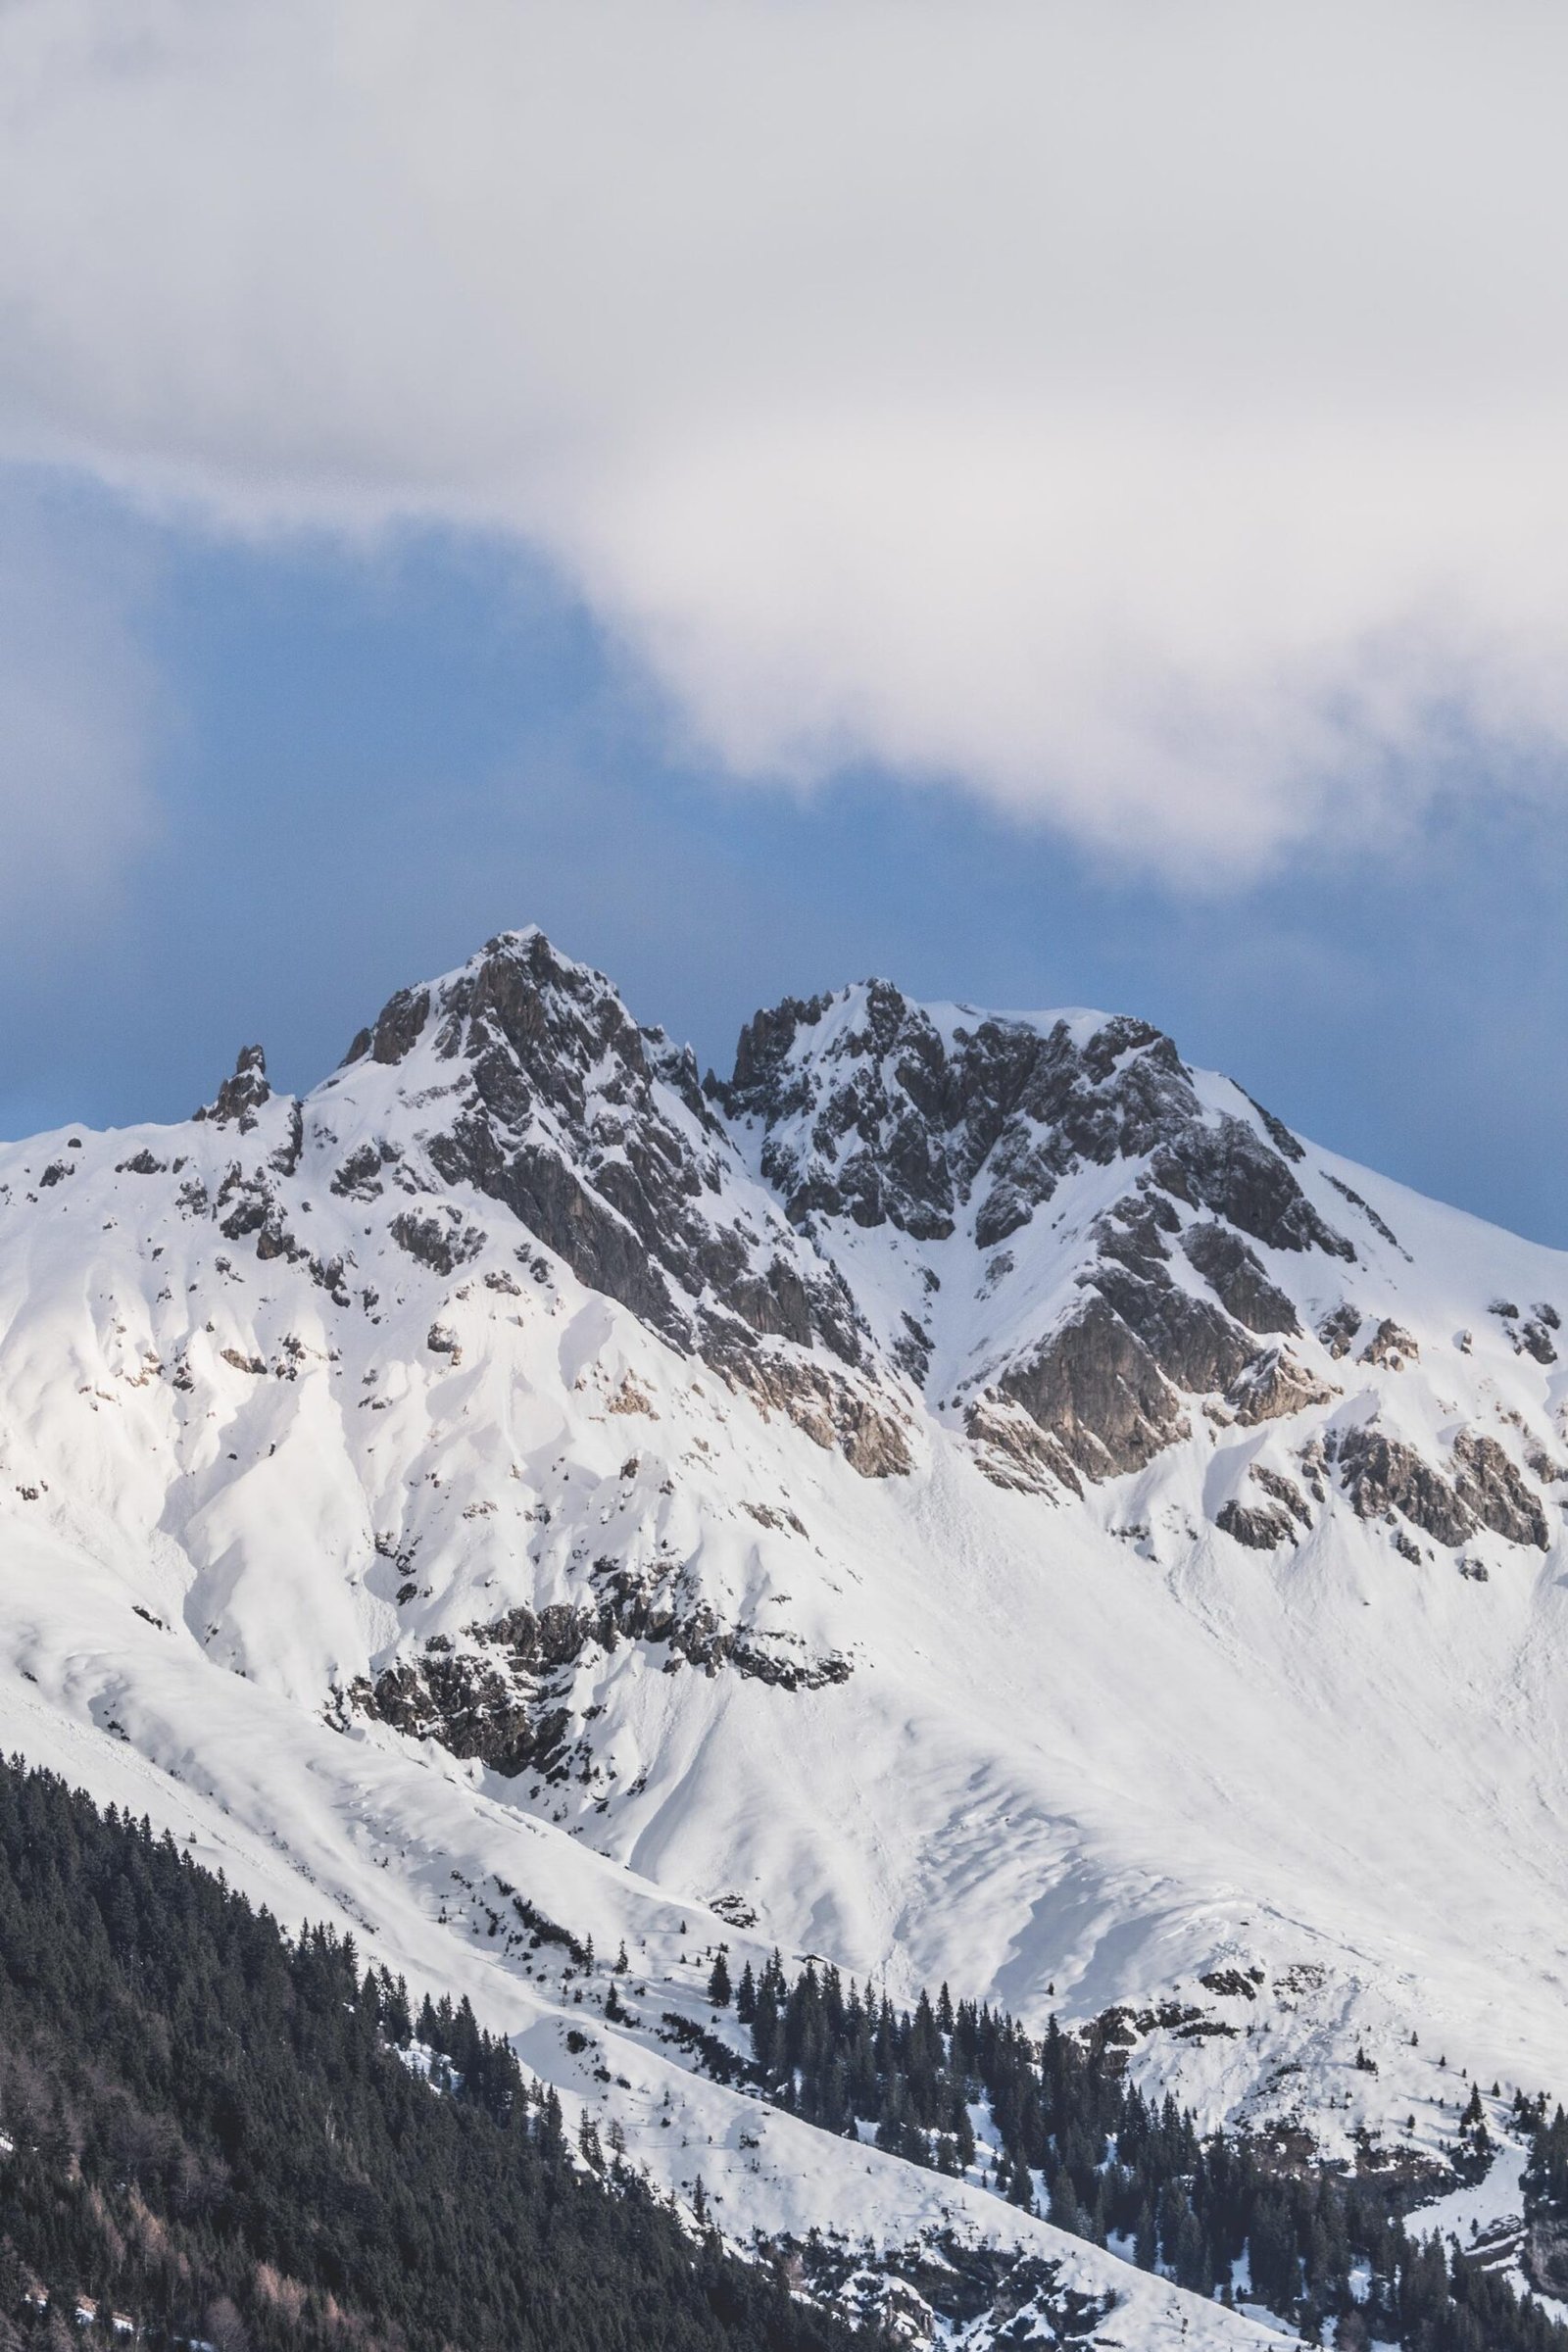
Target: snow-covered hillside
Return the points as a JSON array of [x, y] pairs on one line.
[[967, 1496]]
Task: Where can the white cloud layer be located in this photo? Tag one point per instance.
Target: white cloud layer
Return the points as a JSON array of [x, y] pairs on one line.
[[1148, 415]]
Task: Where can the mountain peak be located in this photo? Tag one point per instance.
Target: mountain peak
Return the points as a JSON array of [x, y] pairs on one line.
[[594, 1132], [241, 1096], [966, 1488], [886, 1111], [1045, 1232], [506, 972]]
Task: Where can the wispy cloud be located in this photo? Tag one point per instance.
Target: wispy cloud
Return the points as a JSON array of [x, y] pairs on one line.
[[1145, 417]]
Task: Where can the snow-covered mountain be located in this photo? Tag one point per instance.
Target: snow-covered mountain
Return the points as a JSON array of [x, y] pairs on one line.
[[968, 1497]]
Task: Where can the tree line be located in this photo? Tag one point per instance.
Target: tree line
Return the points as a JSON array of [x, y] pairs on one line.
[[216, 2130], [1055, 2124]]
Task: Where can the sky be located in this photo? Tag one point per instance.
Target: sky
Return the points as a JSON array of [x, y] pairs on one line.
[[1055, 504]]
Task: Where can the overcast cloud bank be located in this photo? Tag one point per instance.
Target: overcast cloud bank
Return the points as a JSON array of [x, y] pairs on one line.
[[1146, 418]]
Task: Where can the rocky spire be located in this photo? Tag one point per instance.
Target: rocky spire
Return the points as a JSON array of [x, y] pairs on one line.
[[241, 1096]]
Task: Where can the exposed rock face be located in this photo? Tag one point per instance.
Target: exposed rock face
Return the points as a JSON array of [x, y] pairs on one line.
[[869, 1433], [472, 1709], [365, 1172], [1390, 1345], [1383, 1474], [1261, 1526], [396, 1029], [241, 1096], [1533, 1340], [1284, 1490], [1196, 1344], [504, 1697], [439, 1242], [1096, 1389], [1532, 1337], [1545, 2256], [882, 1126], [1338, 1330], [872, 1112], [1109, 1385], [595, 1133], [876, 1113], [1496, 1492], [1273, 1385], [1234, 1274], [1014, 1451]]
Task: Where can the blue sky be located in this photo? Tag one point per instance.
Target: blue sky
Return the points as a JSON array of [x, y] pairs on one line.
[[366, 759], [1051, 504]]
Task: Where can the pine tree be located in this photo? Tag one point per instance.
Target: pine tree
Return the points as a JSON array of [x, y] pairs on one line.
[[1065, 2207]]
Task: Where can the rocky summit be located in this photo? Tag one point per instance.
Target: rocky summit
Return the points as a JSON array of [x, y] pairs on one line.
[[965, 1497]]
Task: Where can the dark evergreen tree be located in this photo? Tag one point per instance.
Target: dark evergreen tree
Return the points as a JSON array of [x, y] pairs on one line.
[[217, 2130], [1116, 2165]]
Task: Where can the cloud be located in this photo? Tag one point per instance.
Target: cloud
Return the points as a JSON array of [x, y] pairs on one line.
[[79, 710], [1147, 418]]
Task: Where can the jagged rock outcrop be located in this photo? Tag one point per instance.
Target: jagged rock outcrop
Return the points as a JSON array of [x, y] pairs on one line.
[[1260, 1525], [503, 1696], [1273, 1385], [1284, 1490], [1531, 1336], [1264, 1526], [1096, 1389], [1496, 1492], [1110, 1386], [241, 1096], [871, 1111], [1383, 1474], [594, 1133], [1339, 1328], [1235, 1273], [439, 1241], [1011, 1448], [1390, 1345]]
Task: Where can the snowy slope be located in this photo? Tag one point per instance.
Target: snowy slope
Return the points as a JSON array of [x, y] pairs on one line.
[[968, 1495]]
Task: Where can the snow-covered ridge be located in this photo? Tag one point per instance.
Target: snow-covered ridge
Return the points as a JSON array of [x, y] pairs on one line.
[[969, 1491]]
